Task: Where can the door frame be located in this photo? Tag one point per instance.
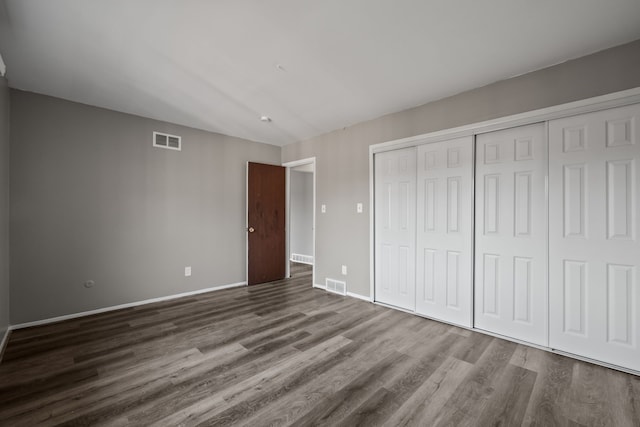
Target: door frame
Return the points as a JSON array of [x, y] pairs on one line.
[[290, 166], [597, 103]]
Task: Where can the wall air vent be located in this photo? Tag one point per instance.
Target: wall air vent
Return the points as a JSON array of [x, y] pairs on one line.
[[164, 140], [336, 286], [303, 259]]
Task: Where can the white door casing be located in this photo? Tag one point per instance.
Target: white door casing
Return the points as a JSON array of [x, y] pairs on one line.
[[444, 230], [594, 249], [511, 233], [395, 226]]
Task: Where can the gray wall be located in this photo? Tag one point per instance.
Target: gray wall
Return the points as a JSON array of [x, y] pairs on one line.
[[4, 206], [342, 162], [93, 200], [301, 213]]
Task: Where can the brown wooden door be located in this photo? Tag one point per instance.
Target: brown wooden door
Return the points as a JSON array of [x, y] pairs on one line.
[[266, 223]]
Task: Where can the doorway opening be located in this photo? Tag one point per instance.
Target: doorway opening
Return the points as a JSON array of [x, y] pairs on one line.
[[301, 217]]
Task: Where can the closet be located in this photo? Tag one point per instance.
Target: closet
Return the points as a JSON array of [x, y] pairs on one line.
[[395, 228], [444, 224], [423, 226], [529, 232], [511, 233], [594, 254]]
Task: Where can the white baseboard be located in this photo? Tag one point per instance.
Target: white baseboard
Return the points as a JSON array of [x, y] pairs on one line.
[[362, 297], [5, 340], [121, 306], [349, 294]]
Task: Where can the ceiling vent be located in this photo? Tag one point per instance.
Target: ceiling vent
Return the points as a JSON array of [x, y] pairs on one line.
[[167, 141]]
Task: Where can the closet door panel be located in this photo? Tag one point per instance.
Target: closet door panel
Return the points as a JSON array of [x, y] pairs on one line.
[[395, 219], [594, 250], [444, 230], [511, 233]]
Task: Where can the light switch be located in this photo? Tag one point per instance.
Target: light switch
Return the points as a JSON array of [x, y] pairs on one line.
[[359, 208], [323, 208]]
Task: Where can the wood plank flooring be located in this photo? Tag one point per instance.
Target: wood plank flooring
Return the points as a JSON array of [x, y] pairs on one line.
[[286, 354]]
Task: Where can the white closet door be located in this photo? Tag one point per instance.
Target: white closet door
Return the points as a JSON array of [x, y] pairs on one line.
[[511, 233], [594, 248], [444, 230], [395, 227]]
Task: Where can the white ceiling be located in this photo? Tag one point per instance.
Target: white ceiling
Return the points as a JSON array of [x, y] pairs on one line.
[[213, 64]]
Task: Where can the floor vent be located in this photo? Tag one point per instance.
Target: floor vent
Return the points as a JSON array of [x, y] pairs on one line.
[[164, 140], [304, 259], [336, 286]]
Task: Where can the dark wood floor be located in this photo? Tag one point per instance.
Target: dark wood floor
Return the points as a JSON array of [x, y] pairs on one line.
[[284, 353]]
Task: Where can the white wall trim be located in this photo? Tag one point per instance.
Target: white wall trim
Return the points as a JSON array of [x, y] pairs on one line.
[[372, 228], [616, 99], [300, 162], [588, 105], [358, 296], [289, 166], [5, 340], [121, 306], [246, 222]]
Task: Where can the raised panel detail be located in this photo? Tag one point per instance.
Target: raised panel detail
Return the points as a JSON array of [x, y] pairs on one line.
[[620, 193], [491, 153], [453, 157], [430, 160], [522, 201], [620, 132], [620, 309], [430, 198], [523, 149], [491, 284], [403, 269], [403, 164], [453, 205], [385, 168], [522, 289], [574, 139], [453, 278], [574, 195], [385, 268], [491, 203], [575, 298], [429, 274], [385, 212], [403, 205]]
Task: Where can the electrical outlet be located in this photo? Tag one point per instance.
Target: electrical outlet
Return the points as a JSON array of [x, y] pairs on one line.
[[187, 271], [344, 270], [359, 207], [323, 208]]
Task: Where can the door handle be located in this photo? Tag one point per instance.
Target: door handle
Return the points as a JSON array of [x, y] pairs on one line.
[[251, 229]]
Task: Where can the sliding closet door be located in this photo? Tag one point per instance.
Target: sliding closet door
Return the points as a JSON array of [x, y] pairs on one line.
[[594, 250], [511, 233], [444, 230], [395, 227]]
